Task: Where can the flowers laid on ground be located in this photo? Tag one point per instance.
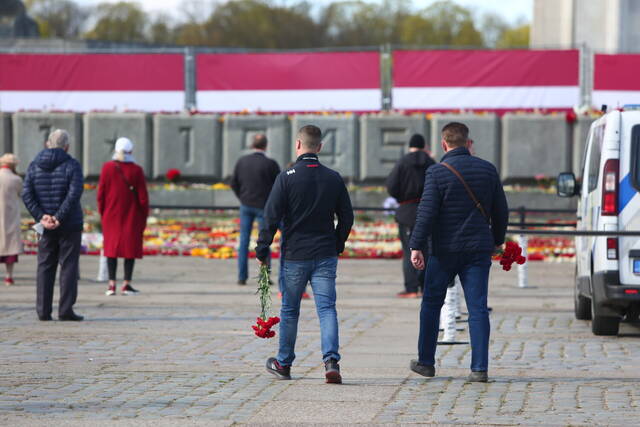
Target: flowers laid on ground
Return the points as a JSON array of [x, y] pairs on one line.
[[512, 253], [173, 175], [215, 235], [264, 323]]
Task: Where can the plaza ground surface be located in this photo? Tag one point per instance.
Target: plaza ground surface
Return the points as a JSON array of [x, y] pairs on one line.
[[183, 353]]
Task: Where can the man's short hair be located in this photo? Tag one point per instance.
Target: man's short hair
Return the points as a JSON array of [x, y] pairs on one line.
[[259, 142], [310, 136], [59, 138], [455, 134]]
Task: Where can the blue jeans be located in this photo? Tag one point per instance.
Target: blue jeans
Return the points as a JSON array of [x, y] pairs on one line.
[[473, 269], [247, 216], [322, 274]]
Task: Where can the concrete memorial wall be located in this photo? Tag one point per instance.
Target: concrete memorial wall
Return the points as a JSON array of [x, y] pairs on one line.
[[6, 144], [339, 140], [384, 139], [190, 143], [483, 129], [30, 131], [239, 130], [363, 148], [534, 145], [101, 130]]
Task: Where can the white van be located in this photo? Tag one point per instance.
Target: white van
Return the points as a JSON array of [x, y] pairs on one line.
[[607, 285]]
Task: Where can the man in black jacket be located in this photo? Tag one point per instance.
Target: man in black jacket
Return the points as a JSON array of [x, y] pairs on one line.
[[252, 180], [464, 235], [405, 184], [305, 199], [51, 193]]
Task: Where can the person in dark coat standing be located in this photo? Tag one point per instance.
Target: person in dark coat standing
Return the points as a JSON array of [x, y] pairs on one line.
[[464, 236], [252, 180], [405, 184], [123, 204], [305, 201], [52, 190]]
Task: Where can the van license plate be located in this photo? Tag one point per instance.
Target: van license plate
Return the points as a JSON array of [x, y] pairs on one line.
[[636, 266]]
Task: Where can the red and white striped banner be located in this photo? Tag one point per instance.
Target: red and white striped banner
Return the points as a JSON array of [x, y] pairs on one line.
[[615, 80], [289, 82], [84, 82], [485, 80]]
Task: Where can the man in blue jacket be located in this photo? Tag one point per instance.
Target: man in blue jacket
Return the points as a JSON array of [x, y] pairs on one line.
[[52, 190], [465, 233], [305, 199]]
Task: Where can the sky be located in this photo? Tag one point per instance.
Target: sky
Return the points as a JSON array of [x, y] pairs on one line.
[[512, 10]]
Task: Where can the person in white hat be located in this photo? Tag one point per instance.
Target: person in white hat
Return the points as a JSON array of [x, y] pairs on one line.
[[123, 203], [10, 238]]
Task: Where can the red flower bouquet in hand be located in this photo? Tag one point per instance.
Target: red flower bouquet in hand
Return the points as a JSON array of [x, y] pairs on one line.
[[264, 323], [173, 175], [512, 253]]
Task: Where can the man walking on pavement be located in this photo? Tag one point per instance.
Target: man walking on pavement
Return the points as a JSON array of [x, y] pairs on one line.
[[464, 210], [405, 184], [305, 199], [51, 193], [252, 180]]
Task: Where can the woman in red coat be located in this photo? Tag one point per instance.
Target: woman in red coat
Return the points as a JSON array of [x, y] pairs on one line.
[[123, 204]]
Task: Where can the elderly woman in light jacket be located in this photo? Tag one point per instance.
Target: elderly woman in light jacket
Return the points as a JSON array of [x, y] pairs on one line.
[[10, 200]]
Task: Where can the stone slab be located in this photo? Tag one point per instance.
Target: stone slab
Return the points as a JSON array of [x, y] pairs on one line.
[[101, 130], [339, 142], [31, 130], [384, 139], [238, 133], [483, 129], [535, 145], [6, 144], [580, 134], [189, 143]]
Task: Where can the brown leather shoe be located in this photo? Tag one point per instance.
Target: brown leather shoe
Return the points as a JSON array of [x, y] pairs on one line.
[[407, 295]]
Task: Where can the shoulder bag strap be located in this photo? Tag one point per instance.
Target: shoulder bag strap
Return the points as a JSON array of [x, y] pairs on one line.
[[469, 191], [129, 186]]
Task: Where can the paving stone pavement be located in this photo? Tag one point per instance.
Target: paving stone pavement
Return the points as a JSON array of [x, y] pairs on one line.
[[183, 353]]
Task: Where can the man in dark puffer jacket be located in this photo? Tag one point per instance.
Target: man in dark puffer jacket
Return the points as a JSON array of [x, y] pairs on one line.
[[52, 190], [463, 242]]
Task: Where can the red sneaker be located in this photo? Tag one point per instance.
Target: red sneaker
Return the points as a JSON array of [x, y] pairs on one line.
[[8, 281], [305, 296]]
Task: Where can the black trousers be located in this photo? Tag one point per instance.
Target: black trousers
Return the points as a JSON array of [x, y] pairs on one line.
[[413, 279], [112, 267], [58, 247]]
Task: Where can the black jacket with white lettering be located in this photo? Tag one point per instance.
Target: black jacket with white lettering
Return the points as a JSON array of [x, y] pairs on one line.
[[306, 199]]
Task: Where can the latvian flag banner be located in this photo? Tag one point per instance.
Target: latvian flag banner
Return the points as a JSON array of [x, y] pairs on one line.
[[289, 82], [441, 80]]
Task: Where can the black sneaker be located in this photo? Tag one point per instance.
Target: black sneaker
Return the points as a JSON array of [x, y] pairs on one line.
[[478, 377], [332, 372], [128, 290], [71, 317], [275, 368], [424, 370], [242, 282]]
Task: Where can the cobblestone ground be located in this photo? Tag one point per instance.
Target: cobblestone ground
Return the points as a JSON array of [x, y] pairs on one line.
[[183, 353]]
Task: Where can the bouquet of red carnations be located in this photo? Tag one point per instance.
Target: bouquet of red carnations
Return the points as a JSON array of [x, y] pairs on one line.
[[264, 323], [512, 253]]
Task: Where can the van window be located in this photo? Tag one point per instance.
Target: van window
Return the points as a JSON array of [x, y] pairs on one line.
[[635, 156], [594, 157]]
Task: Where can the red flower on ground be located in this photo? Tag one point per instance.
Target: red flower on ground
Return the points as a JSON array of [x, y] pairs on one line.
[[173, 175]]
